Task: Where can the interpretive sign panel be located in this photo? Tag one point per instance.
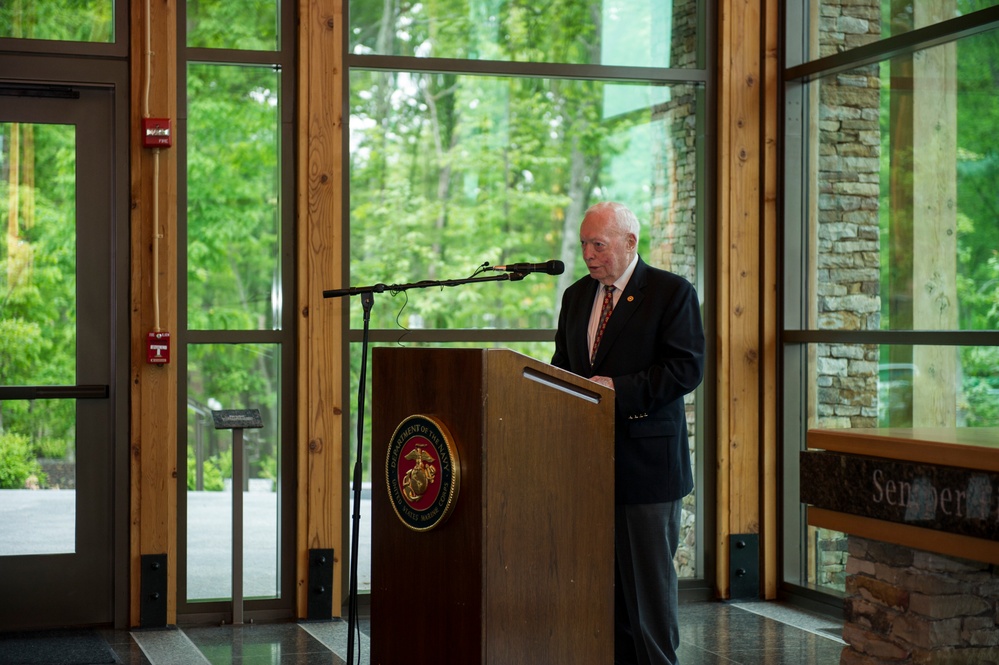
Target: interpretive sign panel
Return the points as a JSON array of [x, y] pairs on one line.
[[943, 498]]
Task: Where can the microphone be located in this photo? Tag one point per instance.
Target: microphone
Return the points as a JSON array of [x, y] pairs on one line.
[[552, 267]]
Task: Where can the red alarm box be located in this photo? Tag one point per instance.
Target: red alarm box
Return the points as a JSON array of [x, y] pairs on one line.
[[158, 347], [156, 133]]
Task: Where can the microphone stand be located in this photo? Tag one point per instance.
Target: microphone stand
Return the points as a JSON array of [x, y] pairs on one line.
[[367, 294]]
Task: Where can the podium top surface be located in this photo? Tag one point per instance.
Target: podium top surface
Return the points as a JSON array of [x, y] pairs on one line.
[[531, 368]]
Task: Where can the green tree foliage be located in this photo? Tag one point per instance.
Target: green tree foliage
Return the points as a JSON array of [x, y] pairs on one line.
[[18, 464], [232, 376], [978, 208], [245, 25], [451, 171], [214, 470], [977, 170], [61, 20], [38, 282], [448, 171], [233, 249], [234, 254]]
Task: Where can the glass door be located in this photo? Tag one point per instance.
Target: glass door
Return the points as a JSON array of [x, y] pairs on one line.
[[57, 341]]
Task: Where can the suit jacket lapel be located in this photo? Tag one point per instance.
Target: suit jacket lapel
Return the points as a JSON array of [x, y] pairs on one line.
[[626, 306], [585, 308]]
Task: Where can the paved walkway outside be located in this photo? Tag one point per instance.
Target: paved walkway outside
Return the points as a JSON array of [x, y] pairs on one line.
[[44, 522]]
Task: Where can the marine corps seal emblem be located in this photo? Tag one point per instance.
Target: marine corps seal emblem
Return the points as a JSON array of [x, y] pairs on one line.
[[422, 472]]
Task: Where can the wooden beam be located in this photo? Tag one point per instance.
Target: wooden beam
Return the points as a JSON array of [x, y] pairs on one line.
[[153, 412], [722, 323], [927, 540], [968, 447], [319, 226], [934, 223], [747, 292]]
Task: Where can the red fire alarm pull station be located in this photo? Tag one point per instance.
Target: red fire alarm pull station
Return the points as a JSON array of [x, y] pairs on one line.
[[156, 132], [158, 347]]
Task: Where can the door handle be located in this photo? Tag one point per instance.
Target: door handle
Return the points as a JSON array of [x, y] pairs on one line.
[[55, 392]]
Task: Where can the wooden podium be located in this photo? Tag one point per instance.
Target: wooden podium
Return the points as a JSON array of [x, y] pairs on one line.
[[522, 568]]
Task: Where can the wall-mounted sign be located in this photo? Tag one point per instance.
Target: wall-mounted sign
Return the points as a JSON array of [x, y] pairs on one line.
[[944, 498]]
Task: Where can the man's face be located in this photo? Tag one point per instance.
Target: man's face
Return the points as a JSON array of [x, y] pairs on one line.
[[607, 250]]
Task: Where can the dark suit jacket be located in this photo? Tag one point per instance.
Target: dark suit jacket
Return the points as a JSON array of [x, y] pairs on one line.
[[653, 348]]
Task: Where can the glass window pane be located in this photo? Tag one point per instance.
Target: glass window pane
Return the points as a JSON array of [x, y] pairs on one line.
[[845, 25], [886, 386], [827, 554], [243, 376], [869, 385], [38, 255], [60, 20], [449, 172], [249, 25], [38, 337], [642, 33], [37, 477], [233, 208], [902, 199]]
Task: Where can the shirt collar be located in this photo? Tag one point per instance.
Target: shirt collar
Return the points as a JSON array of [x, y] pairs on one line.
[[621, 282]]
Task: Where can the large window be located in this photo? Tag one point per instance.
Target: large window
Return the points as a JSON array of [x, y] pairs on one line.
[[38, 331], [236, 340], [479, 132], [891, 312]]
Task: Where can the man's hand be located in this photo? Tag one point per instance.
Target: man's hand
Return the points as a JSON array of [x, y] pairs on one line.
[[605, 381]]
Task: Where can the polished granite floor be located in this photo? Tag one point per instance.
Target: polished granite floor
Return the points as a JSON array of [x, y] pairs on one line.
[[712, 633]]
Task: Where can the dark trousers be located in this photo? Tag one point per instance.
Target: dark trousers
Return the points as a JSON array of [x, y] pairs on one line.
[[646, 627]]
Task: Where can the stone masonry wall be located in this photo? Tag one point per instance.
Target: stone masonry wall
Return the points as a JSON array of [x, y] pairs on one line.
[[673, 219], [848, 262], [910, 607], [847, 240]]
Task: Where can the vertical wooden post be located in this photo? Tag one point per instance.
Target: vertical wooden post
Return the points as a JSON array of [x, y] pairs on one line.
[[934, 222], [153, 414], [319, 226], [746, 383]]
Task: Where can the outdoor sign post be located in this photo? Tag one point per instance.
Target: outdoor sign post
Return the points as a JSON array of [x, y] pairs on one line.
[[237, 421]]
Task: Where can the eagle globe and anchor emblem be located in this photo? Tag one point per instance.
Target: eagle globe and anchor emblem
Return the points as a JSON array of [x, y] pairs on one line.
[[422, 472], [417, 480]]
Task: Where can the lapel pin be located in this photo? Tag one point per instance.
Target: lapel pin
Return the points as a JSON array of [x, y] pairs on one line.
[[631, 298]]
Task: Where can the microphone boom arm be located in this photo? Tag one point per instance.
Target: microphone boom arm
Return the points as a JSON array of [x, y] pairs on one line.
[[424, 284]]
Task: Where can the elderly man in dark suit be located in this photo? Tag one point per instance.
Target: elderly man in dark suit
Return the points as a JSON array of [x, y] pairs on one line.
[[637, 329]]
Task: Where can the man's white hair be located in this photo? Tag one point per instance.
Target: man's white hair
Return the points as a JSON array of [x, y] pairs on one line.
[[622, 214]]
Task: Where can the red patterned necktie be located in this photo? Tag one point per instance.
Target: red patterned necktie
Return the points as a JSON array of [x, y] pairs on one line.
[[605, 312]]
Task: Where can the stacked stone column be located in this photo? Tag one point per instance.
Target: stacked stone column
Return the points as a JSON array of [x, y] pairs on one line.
[[907, 606]]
